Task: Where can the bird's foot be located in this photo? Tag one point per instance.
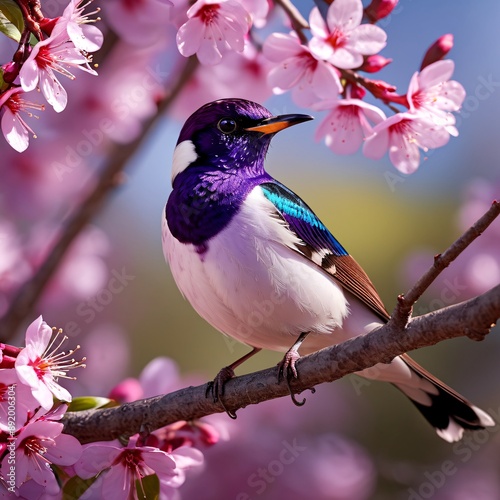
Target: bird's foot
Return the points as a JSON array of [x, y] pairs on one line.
[[216, 387], [287, 369]]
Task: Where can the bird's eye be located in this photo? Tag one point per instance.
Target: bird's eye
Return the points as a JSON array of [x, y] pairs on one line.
[[227, 125]]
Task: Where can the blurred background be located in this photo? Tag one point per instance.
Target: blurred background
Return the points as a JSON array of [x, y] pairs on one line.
[[360, 440]]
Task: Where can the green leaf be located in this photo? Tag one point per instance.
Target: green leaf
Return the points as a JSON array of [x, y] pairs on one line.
[[11, 19], [148, 487], [76, 487], [3, 85], [90, 403]]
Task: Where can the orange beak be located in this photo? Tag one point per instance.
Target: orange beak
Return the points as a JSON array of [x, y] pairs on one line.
[[277, 123]]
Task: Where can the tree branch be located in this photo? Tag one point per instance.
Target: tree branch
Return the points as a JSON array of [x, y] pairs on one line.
[[473, 318], [108, 179]]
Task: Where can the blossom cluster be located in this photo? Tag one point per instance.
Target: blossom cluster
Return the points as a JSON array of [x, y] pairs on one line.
[[60, 45], [326, 63], [324, 72], [37, 457]]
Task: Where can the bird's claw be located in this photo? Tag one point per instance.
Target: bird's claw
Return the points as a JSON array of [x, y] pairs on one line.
[[216, 387], [287, 370]]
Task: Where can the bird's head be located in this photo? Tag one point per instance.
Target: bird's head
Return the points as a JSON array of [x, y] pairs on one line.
[[229, 135]]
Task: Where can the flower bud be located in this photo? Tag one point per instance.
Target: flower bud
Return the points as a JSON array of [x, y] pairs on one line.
[[378, 87], [378, 9], [10, 71], [127, 390], [356, 92], [374, 63], [437, 50]]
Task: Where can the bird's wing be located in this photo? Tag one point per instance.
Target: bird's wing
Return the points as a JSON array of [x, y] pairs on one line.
[[320, 246]]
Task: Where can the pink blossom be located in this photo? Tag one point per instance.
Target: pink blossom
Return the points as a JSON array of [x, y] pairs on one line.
[[130, 85], [39, 366], [78, 28], [343, 40], [141, 23], [347, 124], [241, 75], [185, 459], [432, 92], [296, 68], [53, 55], [120, 468], [38, 445], [15, 130], [258, 10], [160, 376], [214, 28], [14, 393], [403, 134], [195, 433]]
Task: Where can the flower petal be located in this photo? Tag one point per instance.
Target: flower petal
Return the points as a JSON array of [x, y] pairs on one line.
[[344, 14], [29, 74], [346, 58], [15, 133], [66, 451], [345, 134], [38, 335], [279, 46], [53, 91], [404, 154], [161, 462], [117, 483], [287, 74], [85, 37], [318, 26], [95, 458], [367, 39], [189, 36], [326, 82], [376, 145], [436, 73]]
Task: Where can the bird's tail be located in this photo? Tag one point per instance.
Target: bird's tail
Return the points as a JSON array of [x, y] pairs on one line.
[[446, 410]]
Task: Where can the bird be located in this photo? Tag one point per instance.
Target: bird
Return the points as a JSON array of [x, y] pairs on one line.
[[257, 263]]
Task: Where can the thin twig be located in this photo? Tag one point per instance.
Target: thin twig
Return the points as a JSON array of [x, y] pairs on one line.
[[442, 261], [299, 24], [30, 292]]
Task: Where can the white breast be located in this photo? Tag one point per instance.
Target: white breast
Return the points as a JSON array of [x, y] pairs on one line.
[[251, 286]]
